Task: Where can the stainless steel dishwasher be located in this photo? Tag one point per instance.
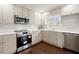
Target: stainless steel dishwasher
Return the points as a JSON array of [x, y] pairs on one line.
[[71, 41]]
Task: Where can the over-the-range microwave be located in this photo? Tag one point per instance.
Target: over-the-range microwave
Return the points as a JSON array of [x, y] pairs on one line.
[[20, 20]]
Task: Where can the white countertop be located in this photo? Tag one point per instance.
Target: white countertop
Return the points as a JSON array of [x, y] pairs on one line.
[[62, 30], [6, 32]]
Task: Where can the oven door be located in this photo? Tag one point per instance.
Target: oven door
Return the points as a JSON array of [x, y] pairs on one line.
[[29, 39], [24, 40], [19, 42]]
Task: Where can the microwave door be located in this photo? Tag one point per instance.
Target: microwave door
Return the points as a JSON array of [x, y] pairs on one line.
[[20, 20]]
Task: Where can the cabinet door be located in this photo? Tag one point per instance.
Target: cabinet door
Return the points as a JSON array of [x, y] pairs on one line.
[[56, 12], [9, 44], [39, 36], [66, 10], [25, 13], [8, 14], [49, 37], [60, 39], [52, 37], [44, 36], [35, 37], [17, 10], [1, 46], [70, 9], [31, 17], [38, 18]]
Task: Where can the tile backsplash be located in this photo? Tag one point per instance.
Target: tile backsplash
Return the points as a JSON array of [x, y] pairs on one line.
[[17, 27]]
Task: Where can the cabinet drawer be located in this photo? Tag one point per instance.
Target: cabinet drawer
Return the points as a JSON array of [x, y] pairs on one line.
[[9, 38]]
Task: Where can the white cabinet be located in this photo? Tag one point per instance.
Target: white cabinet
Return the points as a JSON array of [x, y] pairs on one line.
[[49, 37], [31, 17], [70, 9], [56, 12], [1, 45], [39, 36], [45, 36], [66, 10], [7, 14], [26, 13], [60, 39], [38, 19], [17, 10], [35, 37], [9, 43], [54, 38]]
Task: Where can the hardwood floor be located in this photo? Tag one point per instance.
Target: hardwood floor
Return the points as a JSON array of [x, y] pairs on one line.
[[44, 48]]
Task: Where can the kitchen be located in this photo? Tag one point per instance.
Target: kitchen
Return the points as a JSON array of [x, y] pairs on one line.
[[51, 25]]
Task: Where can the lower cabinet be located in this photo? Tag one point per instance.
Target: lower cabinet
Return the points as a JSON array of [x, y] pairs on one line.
[[8, 44], [54, 38], [60, 39], [36, 37], [49, 37]]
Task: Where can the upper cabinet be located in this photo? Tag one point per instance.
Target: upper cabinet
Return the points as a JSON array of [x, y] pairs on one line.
[[17, 10], [31, 16], [70, 9], [65, 10], [25, 12], [7, 14], [38, 19], [56, 12]]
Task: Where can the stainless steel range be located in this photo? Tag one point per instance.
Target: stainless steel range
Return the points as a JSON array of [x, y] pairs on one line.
[[24, 39]]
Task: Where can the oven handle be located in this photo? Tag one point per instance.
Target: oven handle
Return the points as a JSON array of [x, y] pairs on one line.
[[22, 35]]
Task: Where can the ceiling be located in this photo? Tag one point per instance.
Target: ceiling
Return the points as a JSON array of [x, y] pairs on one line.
[[41, 7]]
